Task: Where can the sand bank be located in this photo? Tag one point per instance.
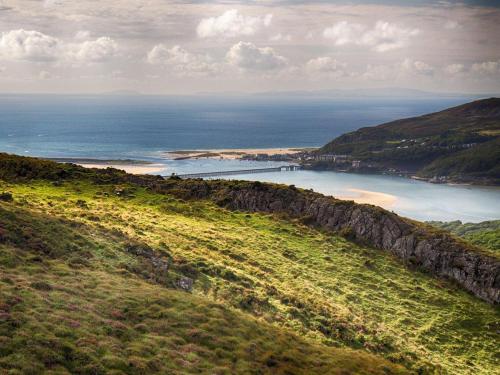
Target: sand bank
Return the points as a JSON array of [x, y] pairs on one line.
[[370, 197], [236, 153], [129, 166]]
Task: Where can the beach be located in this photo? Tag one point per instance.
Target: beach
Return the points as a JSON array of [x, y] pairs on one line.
[[127, 165], [129, 168], [370, 197], [237, 153]]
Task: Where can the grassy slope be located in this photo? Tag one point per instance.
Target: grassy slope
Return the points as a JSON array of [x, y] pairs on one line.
[[73, 301], [485, 234], [327, 290]]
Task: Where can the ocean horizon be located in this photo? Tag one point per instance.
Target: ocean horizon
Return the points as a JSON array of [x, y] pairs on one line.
[[145, 128], [140, 127]]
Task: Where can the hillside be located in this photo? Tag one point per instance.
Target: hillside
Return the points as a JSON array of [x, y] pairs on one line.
[[485, 234], [103, 272], [460, 143]]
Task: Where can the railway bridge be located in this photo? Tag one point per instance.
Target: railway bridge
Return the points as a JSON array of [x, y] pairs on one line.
[[283, 168]]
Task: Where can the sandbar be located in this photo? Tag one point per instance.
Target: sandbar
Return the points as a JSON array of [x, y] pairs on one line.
[[370, 197], [236, 153]]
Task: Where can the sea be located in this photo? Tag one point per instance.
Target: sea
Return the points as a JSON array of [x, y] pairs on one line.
[[146, 127]]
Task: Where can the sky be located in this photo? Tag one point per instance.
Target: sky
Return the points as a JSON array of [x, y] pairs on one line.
[[185, 47]]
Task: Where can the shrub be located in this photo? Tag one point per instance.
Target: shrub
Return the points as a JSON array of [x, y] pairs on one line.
[[41, 285], [6, 197]]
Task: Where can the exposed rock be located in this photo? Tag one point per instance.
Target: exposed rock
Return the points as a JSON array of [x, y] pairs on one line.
[[159, 264], [185, 283], [435, 251]]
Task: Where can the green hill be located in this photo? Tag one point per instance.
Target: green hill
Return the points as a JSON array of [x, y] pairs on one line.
[[486, 234], [103, 275], [460, 143]]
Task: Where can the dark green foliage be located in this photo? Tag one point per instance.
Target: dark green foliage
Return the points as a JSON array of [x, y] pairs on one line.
[[16, 167], [41, 285], [6, 197], [480, 161]]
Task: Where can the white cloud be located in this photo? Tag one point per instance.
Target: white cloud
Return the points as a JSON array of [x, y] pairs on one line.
[[35, 46], [384, 36], [181, 61], [28, 45], [51, 3], [232, 24], [404, 69], [486, 68], [82, 35], [379, 73], [248, 56], [44, 75], [452, 25], [344, 32], [326, 64], [92, 51], [416, 67], [454, 69], [280, 38], [158, 55]]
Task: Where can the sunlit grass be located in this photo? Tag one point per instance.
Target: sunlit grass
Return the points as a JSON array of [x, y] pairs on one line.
[[322, 287]]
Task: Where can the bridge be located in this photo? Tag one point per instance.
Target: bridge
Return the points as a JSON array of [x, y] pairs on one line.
[[282, 168]]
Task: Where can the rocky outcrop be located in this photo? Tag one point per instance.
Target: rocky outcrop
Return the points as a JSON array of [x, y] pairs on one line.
[[417, 244], [436, 251]]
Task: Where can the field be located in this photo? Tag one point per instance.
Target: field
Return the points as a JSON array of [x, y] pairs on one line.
[[102, 276]]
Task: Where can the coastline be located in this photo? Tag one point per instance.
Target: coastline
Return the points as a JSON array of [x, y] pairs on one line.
[[129, 168], [236, 153], [449, 181], [370, 197], [349, 189], [128, 165]]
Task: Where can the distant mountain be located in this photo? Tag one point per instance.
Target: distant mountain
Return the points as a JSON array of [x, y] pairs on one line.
[[385, 92], [122, 93], [460, 143]]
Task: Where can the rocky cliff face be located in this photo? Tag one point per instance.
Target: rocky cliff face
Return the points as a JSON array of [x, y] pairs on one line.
[[415, 243]]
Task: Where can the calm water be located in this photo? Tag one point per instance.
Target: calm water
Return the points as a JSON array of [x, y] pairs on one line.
[[143, 127], [415, 199], [138, 126]]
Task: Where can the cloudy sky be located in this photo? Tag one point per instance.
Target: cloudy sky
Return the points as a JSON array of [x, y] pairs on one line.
[[182, 47]]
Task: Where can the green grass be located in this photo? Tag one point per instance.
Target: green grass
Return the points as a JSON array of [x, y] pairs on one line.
[[485, 234], [99, 320], [269, 294]]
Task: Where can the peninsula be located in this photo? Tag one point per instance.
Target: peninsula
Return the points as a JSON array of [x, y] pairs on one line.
[[460, 144]]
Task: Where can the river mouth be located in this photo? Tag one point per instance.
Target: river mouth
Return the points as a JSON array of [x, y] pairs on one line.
[[417, 200]]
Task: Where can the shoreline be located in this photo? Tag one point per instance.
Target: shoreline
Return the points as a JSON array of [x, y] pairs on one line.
[[128, 165], [233, 153], [370, 197], [136, 166]]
